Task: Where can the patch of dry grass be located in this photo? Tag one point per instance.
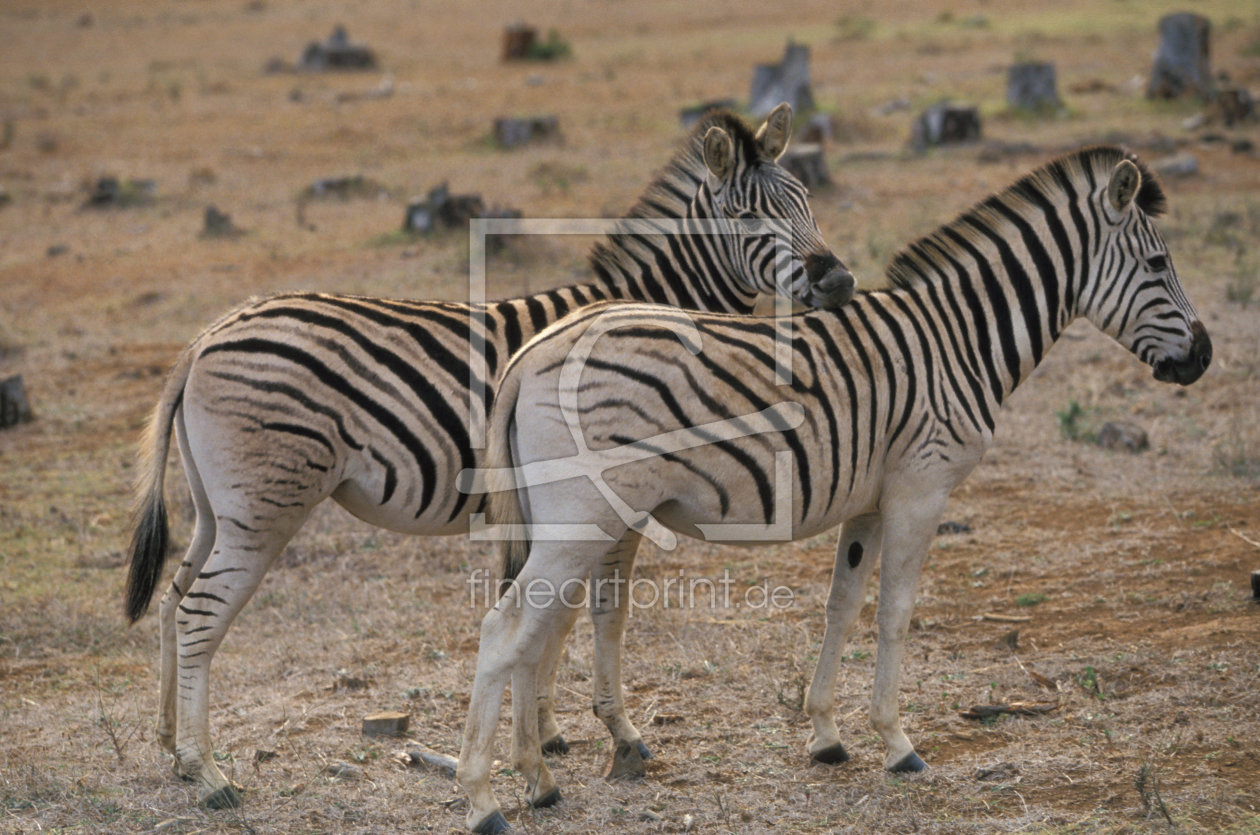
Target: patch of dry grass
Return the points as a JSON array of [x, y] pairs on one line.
[[1143, 630]]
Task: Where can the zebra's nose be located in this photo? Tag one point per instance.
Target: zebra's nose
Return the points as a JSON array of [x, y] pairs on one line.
[[1190, 367], [832, 285]]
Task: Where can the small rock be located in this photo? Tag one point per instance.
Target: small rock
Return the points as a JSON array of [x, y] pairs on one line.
[[1001, 771], [1122, 435], [58, 249], [649, 815], [344, 772], [946, 528], [1180, 165], [219, 225]]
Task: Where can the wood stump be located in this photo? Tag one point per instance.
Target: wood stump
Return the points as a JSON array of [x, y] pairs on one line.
[[1182, 60], [517, 133], [337, 53], [787, 81], [518, 40], [14, 407], [1032, 86], [806, 161], [945, 124]]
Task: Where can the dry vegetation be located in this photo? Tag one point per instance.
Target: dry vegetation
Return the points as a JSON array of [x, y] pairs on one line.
[[1130, 572]]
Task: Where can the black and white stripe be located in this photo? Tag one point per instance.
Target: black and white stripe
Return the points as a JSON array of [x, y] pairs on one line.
[[289, 400], [891, 403]]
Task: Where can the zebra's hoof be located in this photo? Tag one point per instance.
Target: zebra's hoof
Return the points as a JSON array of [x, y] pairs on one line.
[[225, 798], [627, 762], [555, 745], [492, 824], [831, 755], [911, 763], [551, 798]]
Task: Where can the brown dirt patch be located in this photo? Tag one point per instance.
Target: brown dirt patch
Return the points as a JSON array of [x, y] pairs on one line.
[[1132, 569]]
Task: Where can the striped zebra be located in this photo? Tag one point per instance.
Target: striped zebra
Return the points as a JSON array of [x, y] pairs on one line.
[[636, 419], [289, 400]]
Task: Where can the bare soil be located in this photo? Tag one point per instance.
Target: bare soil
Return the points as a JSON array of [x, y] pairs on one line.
[[1125, 576]]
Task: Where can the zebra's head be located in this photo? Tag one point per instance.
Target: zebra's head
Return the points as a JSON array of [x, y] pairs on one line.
[[1137, 298], [745, 184]]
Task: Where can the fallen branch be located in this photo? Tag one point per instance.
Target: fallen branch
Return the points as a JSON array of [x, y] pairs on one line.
[[1013, 708], [418, 756], [996, 618], [1244, 537]]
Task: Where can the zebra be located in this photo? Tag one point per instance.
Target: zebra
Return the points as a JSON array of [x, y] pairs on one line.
[[294, 398], [636, 419]]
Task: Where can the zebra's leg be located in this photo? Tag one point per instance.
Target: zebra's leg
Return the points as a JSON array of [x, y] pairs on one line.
[[194, 559], [515, 636], [548, 728], [857, 554], [609, 603], [243, 551], [909, 525]]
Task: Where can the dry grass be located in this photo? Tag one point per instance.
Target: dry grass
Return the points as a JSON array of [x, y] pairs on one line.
[[1132, 569]]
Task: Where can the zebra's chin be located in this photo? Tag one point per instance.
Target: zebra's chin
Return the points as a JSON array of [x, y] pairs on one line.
[[1190, 367]]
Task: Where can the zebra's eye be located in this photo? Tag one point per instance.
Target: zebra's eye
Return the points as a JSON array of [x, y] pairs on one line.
[[1157, 263]]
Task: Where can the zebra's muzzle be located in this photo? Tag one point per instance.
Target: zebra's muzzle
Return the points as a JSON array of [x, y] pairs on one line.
[[1191, 367], [831, 284]]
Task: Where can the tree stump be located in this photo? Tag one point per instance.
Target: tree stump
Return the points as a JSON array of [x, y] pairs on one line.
[[518, 40], [337, 53], [14, 407], [945, 124], [1182, 60], [386, 723], [787, 81], [517, 133], [1032, 86], [1232, 105], [807, 163]]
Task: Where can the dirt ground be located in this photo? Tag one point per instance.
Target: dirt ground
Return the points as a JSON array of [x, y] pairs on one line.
[[1124, 576]]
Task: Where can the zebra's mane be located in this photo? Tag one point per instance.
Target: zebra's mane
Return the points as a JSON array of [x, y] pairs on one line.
[[670, 192], [1083, 170]]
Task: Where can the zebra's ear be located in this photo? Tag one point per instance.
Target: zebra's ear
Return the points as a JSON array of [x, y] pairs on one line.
[[773, 136], [719, 152], [1126, 180]]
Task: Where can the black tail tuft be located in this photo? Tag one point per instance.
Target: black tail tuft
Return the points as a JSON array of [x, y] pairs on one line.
[[148, 553]]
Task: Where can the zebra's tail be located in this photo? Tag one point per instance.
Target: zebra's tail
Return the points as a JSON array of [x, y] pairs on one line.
[[150, 538], [505, 501]]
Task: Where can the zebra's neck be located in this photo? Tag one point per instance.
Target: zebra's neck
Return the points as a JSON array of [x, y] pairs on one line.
[[642, 266], [1005, 277]]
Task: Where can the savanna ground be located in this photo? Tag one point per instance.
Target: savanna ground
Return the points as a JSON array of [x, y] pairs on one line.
[[1126, 574]]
